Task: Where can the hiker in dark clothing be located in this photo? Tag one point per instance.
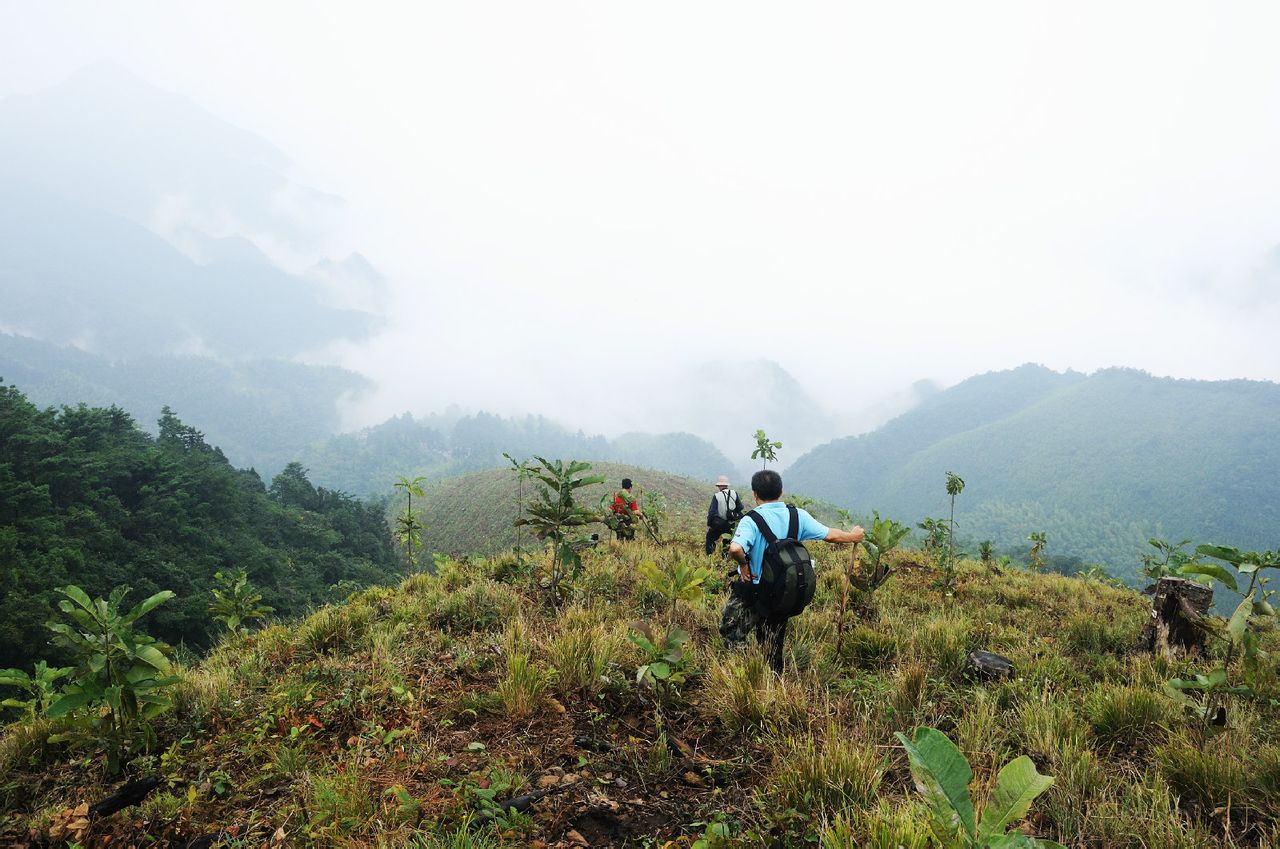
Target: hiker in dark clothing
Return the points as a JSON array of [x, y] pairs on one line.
[[744, 611], [723, 514]]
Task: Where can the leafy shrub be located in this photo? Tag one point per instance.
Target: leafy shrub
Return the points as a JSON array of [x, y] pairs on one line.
[[40, 687], [678, 581], [120, 674], [236, 601], [663, 665]]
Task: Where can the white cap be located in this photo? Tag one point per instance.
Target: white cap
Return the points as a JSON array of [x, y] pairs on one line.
[[722, 481]]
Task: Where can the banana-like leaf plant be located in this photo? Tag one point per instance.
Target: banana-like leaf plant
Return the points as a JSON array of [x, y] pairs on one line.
[[942, 775]]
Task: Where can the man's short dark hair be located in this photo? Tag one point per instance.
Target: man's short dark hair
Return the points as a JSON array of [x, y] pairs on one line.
[[626, 483], [767, 484]]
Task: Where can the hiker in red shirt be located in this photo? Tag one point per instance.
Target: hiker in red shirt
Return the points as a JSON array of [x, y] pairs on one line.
[[626, 509]]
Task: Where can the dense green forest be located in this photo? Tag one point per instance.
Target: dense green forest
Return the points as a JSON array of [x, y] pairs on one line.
[[87, 497], [1099, 463], [446, 445]]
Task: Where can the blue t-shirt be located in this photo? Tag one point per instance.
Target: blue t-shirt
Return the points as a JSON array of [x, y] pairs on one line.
[[776, 517]]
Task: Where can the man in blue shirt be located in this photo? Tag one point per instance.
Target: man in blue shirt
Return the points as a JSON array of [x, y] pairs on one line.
[[748, 548]]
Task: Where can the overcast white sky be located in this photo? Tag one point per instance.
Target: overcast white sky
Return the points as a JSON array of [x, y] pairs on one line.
[[870, 194]]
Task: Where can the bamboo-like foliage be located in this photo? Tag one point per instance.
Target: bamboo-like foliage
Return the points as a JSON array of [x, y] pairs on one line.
[[408, 529]]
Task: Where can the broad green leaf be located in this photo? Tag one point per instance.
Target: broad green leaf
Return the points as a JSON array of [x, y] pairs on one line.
[[942, 776], [1240, 619], [80, 597], [677, 637], [1234, 556], [1264, 608], [1211, 570], [68, 703], [1216, 677], [1017, 785], [660, 670], [149, 604], [153, 657], [14, 678]]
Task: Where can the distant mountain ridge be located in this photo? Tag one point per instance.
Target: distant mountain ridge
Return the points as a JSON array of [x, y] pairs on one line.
[[1099, 462], [262, 413]]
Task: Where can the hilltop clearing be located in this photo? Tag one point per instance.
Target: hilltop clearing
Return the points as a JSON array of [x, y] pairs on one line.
[[404, 716]]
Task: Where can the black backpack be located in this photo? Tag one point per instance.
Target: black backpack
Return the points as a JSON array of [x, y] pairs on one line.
[[734, 511], [787, 580]]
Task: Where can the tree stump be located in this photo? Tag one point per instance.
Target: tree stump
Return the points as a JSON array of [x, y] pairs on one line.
[[1176, 607]]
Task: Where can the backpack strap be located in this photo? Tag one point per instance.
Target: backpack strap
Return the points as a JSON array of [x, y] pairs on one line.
[[765, 531], [793, 526]]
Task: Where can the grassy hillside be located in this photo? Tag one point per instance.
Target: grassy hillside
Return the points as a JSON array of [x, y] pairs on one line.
[[1100, 463], [400, 717], [473, 514]]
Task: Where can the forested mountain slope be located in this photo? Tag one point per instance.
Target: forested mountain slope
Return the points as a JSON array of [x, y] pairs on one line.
[[87, 497], [1100, 463]]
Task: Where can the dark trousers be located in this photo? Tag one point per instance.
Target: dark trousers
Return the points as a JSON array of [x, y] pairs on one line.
[[741, 617], [714, 535], [772, 632]]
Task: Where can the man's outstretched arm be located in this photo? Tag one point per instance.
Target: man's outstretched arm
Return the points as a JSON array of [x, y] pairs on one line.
[[845, 537]]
